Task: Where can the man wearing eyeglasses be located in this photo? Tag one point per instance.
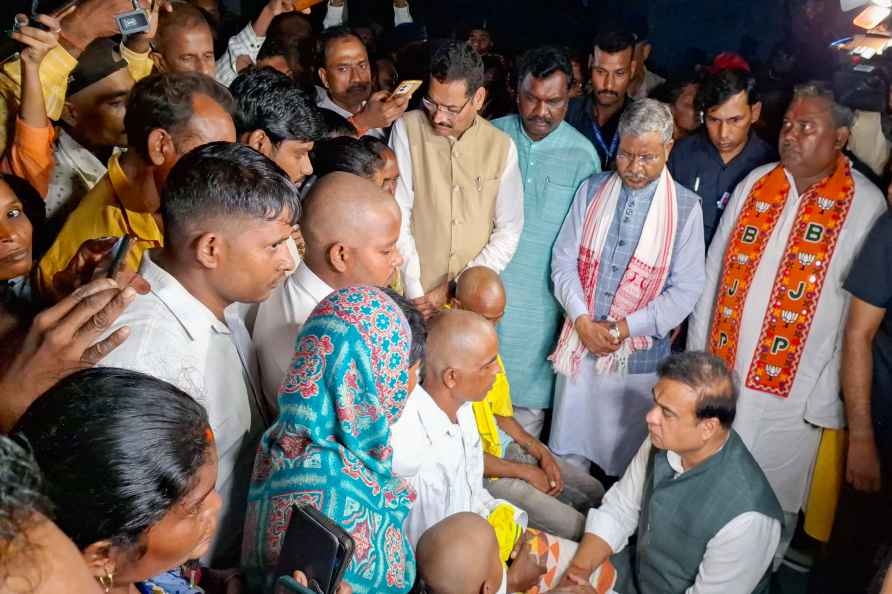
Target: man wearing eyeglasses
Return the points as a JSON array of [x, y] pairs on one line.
[[460, 187], [628, 267]]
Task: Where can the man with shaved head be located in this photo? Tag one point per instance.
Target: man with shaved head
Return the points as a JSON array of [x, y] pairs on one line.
[[466, 541], [350, 227], [518, 467]]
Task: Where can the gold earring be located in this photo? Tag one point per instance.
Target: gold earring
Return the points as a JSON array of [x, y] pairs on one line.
[[106, 581]]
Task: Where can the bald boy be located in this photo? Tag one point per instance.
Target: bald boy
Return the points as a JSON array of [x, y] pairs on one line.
[[460, 555], [517, 466], [350, 227]]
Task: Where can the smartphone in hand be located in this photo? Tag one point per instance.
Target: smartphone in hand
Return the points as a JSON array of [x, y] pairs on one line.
[[119, 256], [407, 87]]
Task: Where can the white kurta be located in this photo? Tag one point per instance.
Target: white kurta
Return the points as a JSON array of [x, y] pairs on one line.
[[783, 434]]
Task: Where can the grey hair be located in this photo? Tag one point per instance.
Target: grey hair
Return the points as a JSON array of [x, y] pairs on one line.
[[647, 115], [843, 117]]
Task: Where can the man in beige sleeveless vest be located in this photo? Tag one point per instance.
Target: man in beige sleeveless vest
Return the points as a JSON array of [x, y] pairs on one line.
[[460, 188]]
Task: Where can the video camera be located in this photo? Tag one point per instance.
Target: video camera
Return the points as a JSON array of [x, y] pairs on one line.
[[129, 23], [862, 80]]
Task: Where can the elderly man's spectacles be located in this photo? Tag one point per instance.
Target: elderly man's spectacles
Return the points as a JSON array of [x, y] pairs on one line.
[[629, 159], [433, 107]]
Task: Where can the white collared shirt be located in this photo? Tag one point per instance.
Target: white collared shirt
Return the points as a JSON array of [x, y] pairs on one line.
[[324, 101], [245, 43], [337, 15], [507, 219], [736, 557], [279, 321], [75, 172], [448, 458], [175, 337]]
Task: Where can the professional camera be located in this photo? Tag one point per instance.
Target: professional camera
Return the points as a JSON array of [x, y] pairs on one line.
[[129, 23], [862, 80]]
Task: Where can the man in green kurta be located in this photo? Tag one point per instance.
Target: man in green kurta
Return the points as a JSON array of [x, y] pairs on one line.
[[554, 159]]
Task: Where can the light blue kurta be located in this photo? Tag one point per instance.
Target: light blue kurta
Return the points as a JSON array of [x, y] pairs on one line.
[[552, 170]]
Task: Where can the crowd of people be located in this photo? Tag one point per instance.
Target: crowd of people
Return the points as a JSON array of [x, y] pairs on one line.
[[550, 323]]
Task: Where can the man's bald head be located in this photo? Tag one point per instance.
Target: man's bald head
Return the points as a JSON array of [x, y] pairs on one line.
[[184, 41], [342, 212], [459, 555], [461, 357], [479, 289]]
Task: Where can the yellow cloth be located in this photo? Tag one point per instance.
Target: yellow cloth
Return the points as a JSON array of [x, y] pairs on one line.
[[497, 402], [503, 521], [101, 213], [54, 72], [826, 484]]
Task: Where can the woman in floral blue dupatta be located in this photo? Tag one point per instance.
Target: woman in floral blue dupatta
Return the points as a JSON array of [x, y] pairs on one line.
[[330, 445]]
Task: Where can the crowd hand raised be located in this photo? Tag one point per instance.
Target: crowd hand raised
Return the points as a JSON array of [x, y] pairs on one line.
[[63, 339], [38, 42], [140, 43], [93, 259], [526, 570], [300, 578], [92, 19], [596, 336], [381, 110]]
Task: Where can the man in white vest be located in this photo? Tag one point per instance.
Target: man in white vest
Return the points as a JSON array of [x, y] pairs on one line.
[[460, 187]]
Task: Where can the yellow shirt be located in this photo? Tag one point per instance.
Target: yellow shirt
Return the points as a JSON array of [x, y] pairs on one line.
[[54, 72], [497, 402], [101, 213]]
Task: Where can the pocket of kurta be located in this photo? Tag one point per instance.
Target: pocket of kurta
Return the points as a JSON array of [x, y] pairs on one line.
[[558, 198]]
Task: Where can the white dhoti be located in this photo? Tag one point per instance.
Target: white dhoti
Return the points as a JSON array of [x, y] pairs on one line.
[[601, 417], [783, 443]]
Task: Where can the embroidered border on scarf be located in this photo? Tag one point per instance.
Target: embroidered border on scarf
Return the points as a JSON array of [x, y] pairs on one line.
[[800, 277]]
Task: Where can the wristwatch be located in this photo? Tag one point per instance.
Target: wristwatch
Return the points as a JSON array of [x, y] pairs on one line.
[[614, 330]]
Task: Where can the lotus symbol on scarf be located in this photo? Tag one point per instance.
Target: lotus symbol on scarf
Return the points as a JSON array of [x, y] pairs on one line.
[[727, 312], [825, 203], [789, 316], [762, 206], [742, 259], [772, 370], [806, 259]]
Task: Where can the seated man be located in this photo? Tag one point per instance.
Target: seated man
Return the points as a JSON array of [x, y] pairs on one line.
[[167, 116], [227, 212], [522, 470], [705, 516], [436, 445], [350, 228], [275, 118]]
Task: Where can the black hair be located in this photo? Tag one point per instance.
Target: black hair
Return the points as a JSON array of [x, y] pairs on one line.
[[336, 125], [224, 179], [544, 61], [165, 101], [270, 101], [671, 89], [23, 506], [718, 88], [614, 41], [454, 61], [377, 146], [34, 207], [416, 323], [329, 36], [122, 449], [715, 385], [345, 154]]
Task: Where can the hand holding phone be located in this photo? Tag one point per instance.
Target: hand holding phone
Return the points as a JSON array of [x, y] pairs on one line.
[[406, 87], [119, 256]]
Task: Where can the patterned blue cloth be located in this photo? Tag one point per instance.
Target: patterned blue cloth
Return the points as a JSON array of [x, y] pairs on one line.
[[660, 316], [330, 446], [552, 170]]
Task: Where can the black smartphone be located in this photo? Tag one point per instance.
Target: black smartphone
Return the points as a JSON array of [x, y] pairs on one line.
[[119, 255], [30, 8], [318, 547]]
